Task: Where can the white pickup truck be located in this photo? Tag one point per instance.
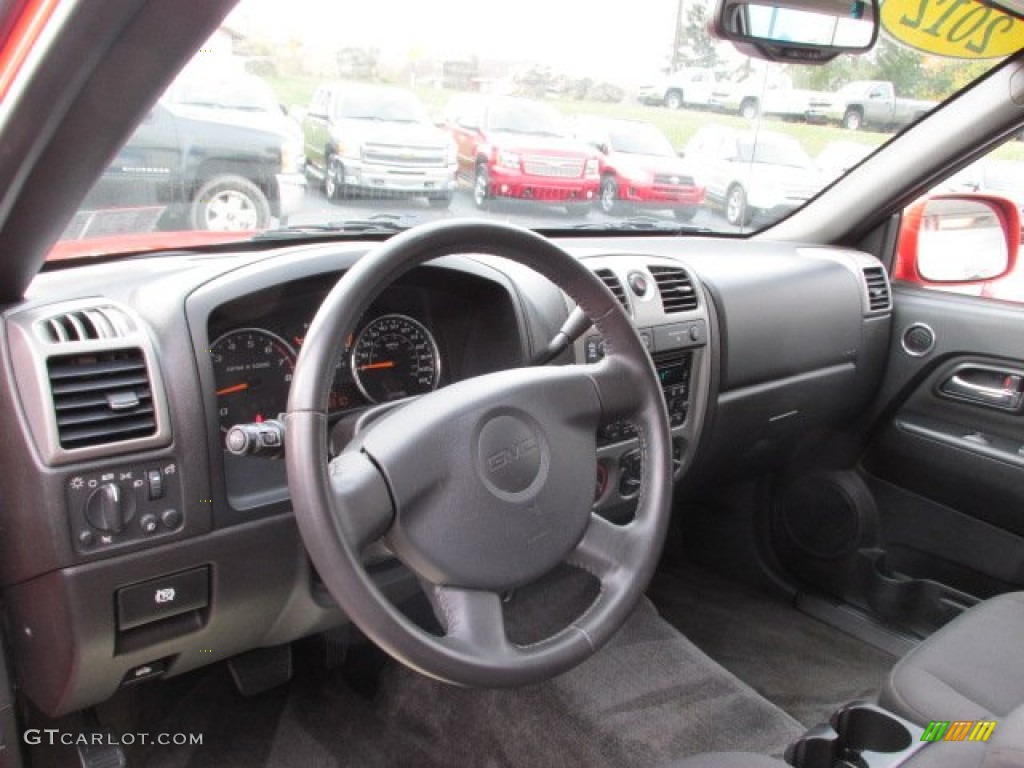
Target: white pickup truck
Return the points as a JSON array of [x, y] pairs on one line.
[[871, 103], [690, 86], [770, 94]]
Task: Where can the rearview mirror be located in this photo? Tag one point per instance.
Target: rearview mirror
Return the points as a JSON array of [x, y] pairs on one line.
[[958, 239], [798, 31]]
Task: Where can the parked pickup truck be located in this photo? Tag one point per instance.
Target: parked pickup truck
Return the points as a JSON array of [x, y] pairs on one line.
[[215, 153], [368, 140], [772, 94], [871, 103], [517, 148], [688, 86]]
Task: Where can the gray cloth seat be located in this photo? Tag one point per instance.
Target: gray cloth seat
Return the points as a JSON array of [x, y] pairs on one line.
[[971, 669]]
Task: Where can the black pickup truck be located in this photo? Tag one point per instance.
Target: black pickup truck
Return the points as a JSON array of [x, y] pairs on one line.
[[215, 153]]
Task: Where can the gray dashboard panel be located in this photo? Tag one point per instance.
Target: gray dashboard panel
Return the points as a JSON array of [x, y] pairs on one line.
[[769, 338]]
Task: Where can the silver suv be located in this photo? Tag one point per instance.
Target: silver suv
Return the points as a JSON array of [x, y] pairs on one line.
[[366, 140]]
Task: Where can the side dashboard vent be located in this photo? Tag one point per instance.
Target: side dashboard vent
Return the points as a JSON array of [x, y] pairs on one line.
[[676, 289], [614, 285], [878, 289], [101, 397], [91, 324]]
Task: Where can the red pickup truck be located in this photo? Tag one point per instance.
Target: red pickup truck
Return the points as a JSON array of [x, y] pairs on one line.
[[517, 148]]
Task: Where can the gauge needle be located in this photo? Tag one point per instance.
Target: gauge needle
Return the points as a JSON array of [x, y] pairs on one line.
[[375, 366], [232, 389]]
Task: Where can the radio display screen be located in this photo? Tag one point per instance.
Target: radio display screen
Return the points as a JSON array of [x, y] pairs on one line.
[[673, 374]]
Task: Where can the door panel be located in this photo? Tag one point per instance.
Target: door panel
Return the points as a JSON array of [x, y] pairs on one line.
[[947, 464], [931, 517]]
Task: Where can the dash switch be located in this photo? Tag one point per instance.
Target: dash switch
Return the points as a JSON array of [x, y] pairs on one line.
[[155, 481]]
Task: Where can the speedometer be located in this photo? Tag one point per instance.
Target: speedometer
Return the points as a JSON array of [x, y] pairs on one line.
[[395, 357], [253, 371]]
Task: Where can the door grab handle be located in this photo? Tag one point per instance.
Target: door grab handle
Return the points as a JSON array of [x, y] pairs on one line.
[[1007, 396]]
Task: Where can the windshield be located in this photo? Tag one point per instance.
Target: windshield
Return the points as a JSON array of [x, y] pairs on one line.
[[524, 117], [223, 91], [640, 140], [327, 117], [773, 151], [395, 107]]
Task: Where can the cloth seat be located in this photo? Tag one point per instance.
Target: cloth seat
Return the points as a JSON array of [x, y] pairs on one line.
[[970, 669]]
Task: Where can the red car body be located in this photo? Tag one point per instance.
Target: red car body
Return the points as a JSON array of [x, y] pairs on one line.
[[505, 151], [668, 182], [639, 167]]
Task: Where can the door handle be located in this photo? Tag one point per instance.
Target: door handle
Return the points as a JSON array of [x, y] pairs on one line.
[[992, 387]]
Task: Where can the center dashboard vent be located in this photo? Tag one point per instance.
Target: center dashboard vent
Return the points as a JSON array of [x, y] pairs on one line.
[[611, 280], [676, 289], [101, 397], [879, 299]]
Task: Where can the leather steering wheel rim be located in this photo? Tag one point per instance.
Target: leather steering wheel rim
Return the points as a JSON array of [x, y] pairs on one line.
[[504, 504]]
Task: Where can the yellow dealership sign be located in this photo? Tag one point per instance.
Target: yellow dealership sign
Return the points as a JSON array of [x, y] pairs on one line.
[[959, 29]]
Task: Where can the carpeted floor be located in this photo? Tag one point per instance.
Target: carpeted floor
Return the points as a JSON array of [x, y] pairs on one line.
[[647, 698], [800, 664]]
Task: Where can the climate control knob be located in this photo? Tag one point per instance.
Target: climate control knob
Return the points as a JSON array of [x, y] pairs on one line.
[[109, 508]]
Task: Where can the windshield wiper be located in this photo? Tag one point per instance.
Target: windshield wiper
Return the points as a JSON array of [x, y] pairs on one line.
[[643, 224], [380, 223]]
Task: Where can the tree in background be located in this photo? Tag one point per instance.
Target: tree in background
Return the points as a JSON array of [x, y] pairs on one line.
[[900, 65], [693, 45], [913, 74]]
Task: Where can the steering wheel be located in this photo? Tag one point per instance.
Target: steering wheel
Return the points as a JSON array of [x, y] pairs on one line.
[[482, 486]]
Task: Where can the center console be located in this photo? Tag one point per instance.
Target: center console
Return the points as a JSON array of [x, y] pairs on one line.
[[670, 313], [858, 735]]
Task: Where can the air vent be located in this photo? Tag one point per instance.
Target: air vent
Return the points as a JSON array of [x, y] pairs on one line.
[[614, 285], [89, 324], [101, 398], [676, 288], [878, 289]]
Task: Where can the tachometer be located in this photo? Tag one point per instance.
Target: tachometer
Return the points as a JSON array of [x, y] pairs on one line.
[[253, 372], [395, 357]]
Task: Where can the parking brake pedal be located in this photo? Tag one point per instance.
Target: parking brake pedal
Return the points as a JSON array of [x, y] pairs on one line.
[[262, 669], [103, 755]]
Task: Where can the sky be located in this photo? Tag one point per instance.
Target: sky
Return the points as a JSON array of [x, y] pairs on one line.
[[615, 40]]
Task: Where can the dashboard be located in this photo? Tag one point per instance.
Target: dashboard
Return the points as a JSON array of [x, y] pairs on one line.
[[414, 339], [146, 549]]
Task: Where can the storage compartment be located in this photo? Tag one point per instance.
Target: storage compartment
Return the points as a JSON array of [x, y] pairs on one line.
[[162, 609], [163, 598], [859, 735], [919, 605]]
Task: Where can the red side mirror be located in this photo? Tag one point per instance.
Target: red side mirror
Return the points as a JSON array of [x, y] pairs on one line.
[[962, 239]]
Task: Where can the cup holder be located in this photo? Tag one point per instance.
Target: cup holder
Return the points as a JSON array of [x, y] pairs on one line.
[[860, 735], [865, 728]]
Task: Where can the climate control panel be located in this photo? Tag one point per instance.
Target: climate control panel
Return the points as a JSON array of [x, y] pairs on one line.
[[123, 504]]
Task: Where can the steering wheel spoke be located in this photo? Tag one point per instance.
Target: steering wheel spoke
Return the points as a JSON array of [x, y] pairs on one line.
[[474, 621], [362, 503], [616, 384], [604, 549]]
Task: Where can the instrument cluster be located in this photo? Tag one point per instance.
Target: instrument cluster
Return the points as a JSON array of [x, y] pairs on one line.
[[391, 356]]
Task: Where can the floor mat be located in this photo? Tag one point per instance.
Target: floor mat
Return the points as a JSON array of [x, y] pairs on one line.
[[800, 664], [647, 698]]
